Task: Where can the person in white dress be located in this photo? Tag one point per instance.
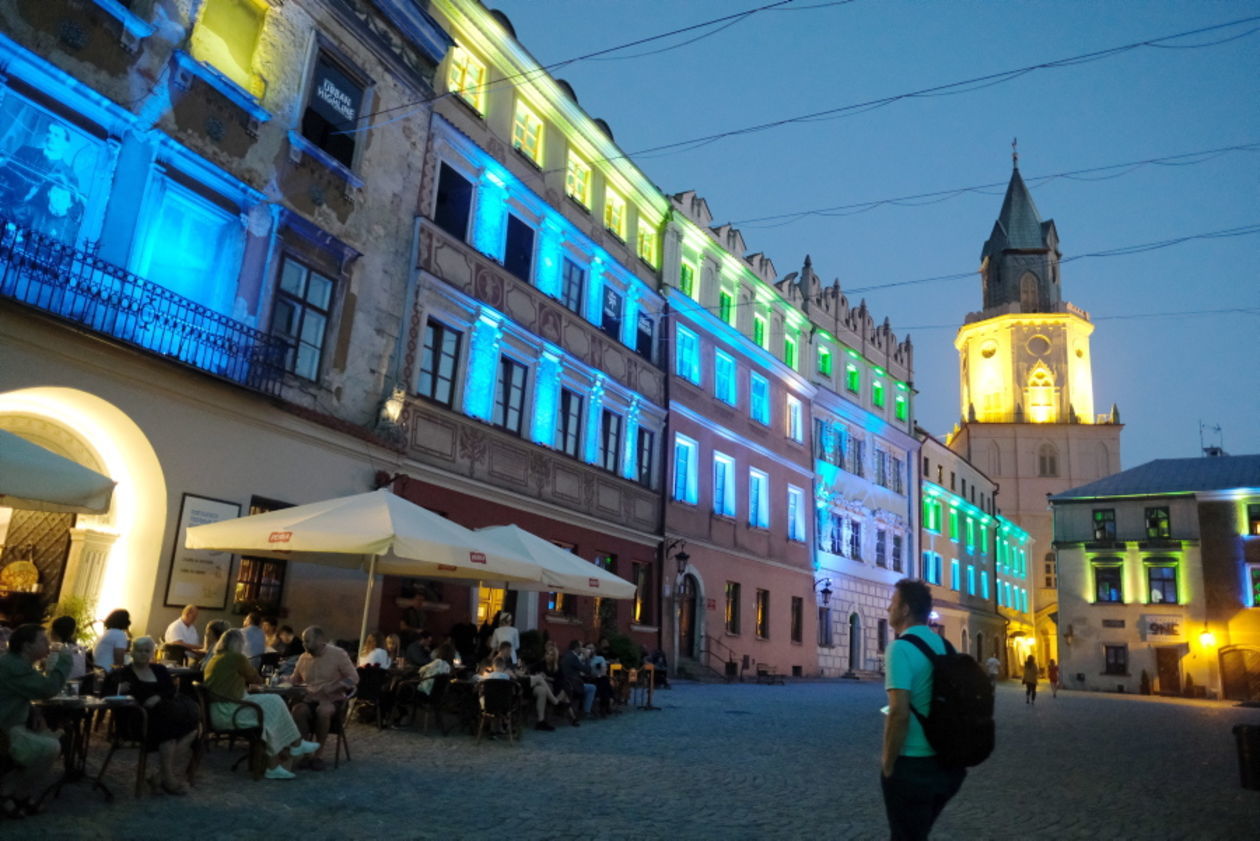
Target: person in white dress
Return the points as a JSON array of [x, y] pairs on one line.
[[506, 633]]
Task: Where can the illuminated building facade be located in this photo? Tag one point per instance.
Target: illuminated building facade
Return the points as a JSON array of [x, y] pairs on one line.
[[533, 366], [201, 262], [1159, 579], [1026, 388], [1014, 592]]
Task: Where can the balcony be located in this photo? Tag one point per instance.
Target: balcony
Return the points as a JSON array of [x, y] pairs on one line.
[[77, 287]]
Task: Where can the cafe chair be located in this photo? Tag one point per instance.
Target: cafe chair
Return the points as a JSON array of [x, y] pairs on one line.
[[371, 691], [337, 727], [253, 734], [500, 704], [128, 728]]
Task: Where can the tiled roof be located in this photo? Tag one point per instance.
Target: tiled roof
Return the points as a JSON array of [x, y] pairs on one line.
[[1174, 475], [1019, 219]]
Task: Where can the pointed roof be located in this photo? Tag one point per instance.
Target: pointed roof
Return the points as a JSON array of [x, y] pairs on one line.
[[1019, 220]]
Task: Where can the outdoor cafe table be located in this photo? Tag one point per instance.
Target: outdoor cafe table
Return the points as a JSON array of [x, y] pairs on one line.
[[77, 712]]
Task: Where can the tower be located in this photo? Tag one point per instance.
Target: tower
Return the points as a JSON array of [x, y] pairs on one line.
[[1026, 390]]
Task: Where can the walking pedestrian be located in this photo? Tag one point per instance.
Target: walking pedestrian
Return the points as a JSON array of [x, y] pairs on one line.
[[993, 667], [1030, 680], [1052, 673], [915, 784]]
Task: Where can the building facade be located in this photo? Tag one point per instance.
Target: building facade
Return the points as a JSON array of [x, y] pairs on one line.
[[1159, 579]]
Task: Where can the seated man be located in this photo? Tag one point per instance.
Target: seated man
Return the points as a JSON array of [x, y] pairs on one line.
[[33, 751], [182, 633], [328, 674], [598, 665], [573, 671], [420, 651]]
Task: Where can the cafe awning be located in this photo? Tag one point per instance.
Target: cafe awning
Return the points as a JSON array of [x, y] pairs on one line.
[[567, 571], [37, 479]]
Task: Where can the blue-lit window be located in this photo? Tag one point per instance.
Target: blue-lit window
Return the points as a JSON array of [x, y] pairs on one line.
[[723, 485], [573, 281], [300, 317], [518, 248], [725, 384], [438, 364], [509, 396], [686, 466], [896, 553], [955, 575], [881, 548], [971, 580], [1162, 583], [192, 247], [795, 421], [855, 539], [758, 499], [610, 441], [984, 584], [453, 204], [796, 514], [687, 361], [1107, 582], [611, 322], [759, 398], [645, 336], [647, 449], [570, 422]]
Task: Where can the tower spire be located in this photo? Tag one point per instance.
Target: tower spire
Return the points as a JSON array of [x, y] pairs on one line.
[[1014, 153]]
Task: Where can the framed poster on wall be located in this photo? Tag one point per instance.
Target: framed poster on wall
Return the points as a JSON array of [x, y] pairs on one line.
[[200, 576]]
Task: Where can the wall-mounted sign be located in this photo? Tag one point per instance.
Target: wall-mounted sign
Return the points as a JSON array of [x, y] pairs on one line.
[[1162, 628], [199, 576]]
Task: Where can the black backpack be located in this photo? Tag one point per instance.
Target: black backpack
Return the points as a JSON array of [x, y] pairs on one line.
[[959, 726]]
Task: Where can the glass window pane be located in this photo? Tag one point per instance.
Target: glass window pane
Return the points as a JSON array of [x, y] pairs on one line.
[[319, 291]]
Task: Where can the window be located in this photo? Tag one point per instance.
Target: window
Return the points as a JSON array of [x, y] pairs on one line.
[[725, 384], [932, 568], [795, 423], [1047, 460], [1162, 581], [759, 398], [881, 468], [852, 378], [955, 575], [1157, 523], [647, 242], [932, 515], [610, 442], [726, 307], [857, 456], [611, 321], [687, 355], [796, 514], [984, 540], [687, 280], [1107, 582], [615, 213], [971, 534], [300, 317], [798, 619], [758, 499], [896, 553], [527, 133], [226, 37], [953, 524], [763, 614], [467, 77], [877, 393], [971, 580], [897, 474], [824, 361], [732, 607], [331, 108], [1253, 519], [825, 637], [1104, 524], [1253, 586], [645, 336], [577, 179], [789, 351], [643, 613], [984, 584], [454, 202], [647, 445], [685, 469], [829, 441], [1051, 574], [901, 407], [509, 397], [723, 485], [855, 540], [1116, 659], [570, 422], [830, 532], [881, 548], [260, 581], [759, 331], [518, 248], [437, 365], [574, 280]]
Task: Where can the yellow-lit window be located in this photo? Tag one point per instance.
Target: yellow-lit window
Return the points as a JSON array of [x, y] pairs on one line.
[[467, 78], [226, 37], [647, 242], [577, 180], [615, 212], [527, 132]]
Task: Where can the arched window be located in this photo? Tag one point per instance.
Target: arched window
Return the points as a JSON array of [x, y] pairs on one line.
[[1028, 297], [1040, 395], [1047, 460]]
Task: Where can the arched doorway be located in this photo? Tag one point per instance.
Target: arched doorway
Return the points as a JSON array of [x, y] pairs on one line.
[[688, 610], [855, 642], [1240, 674]]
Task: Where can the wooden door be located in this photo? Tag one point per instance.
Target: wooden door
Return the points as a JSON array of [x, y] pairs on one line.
[[1168, 669]]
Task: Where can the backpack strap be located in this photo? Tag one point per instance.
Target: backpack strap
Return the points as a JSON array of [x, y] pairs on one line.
[[921, 644]]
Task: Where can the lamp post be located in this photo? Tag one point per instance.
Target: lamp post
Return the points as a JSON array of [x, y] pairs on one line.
[[676, 549]]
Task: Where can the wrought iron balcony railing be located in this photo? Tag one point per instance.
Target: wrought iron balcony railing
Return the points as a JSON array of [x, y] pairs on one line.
[[79, 287]]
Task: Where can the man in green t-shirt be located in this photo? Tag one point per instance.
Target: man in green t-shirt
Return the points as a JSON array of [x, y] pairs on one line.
[[33, 751], [916, 786]]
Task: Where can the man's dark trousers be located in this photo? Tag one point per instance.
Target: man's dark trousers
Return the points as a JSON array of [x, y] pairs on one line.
[[916, 793]]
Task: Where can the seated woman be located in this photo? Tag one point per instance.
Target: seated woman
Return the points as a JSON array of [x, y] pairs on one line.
[[545, 684], [61, 635], [371, 654], [393, 648], [227, 675], [111, 646], [172, 717]]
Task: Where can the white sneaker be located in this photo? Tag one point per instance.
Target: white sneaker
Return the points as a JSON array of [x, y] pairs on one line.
[[304, 748], [280, 773]]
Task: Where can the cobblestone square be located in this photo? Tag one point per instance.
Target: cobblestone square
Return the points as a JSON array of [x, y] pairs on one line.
[[719, 761]]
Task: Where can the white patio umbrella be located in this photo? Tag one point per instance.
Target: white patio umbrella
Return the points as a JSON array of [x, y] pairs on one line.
[[37, 479], [377, 531], [568, 572]]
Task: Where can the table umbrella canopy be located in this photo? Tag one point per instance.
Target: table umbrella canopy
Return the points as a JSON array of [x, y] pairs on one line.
[[37, 479], [566, 570], [397, 536]]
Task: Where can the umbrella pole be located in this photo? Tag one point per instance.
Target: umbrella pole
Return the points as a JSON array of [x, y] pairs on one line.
[[367, 600]]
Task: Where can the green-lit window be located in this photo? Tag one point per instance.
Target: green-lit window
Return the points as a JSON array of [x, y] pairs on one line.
[[760, 337], [467, 77], [577, 180], [984, 540], [824, 361], [1104, 524], [931, 515], [1161, 580], [852, 378], [1157, 523], [726, 307], [647, 242], [615, 213], [953, 524], [527, 133], [687, 280], [1253, 519], [902, 407], [971, 534], [877, 392], [789, 351]]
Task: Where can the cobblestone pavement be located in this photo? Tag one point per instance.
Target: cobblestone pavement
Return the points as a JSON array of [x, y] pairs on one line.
[[718, 761]]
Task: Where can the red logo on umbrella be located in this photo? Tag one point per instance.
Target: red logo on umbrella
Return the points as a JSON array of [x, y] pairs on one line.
[[279, 537], [477, 557], [594, 582]]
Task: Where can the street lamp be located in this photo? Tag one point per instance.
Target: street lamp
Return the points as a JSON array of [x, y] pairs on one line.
[[826, 590]]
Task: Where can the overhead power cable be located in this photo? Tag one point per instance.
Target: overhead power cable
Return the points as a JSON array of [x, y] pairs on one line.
[[920, 328]]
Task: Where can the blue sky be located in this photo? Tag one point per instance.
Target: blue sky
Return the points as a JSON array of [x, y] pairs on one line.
[[1166, 373]]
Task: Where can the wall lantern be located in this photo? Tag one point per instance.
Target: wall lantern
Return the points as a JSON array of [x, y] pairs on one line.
[[826, 590], [1207, 639]]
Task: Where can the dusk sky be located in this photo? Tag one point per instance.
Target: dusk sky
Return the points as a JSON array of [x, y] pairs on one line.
[[1177, 336]]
